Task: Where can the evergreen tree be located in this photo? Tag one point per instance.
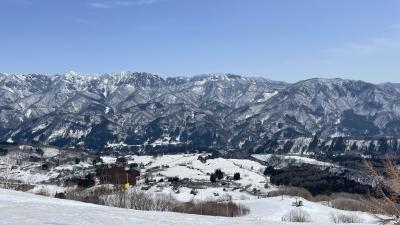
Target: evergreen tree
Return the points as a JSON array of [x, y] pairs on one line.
[[219, 174], [269, 171], [383, 145], [213, 178]]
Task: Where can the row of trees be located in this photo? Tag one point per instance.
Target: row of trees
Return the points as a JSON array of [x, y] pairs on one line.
[[140, 200]]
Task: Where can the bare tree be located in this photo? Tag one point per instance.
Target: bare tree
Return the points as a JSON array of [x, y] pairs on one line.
[[296, 215], [5, 171], [345, 218], [389, 189]]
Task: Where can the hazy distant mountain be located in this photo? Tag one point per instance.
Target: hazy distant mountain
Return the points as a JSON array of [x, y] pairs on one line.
[[393, 85], [141, 111]]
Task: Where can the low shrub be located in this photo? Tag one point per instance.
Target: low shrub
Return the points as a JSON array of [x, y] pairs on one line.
[[140, 200], [348, 204], [43, 192], [345, 218], [24, 187], [227, 209], [292, 191], [296, 215], [93, 195], [336, 195]]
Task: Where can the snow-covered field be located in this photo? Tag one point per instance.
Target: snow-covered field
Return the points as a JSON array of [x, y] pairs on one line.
[[23, 208], [24, 164], [26, 208], [294, 158], [188, 166]]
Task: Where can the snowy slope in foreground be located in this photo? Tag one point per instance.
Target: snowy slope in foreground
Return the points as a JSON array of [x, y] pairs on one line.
[[23, 208]]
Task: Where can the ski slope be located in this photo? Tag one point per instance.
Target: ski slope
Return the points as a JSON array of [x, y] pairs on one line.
[[23, 208]]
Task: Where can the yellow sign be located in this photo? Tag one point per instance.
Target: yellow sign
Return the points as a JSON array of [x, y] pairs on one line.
[[126, 186]]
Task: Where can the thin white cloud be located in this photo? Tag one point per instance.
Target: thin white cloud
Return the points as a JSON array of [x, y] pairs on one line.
[[100, 5], [146, 2], [120, 3], [368, 46]]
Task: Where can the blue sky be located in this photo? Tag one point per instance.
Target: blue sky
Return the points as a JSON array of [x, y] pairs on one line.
[[286, 40]]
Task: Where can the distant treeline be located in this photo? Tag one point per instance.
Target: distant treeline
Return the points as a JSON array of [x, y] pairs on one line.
[[315, 180]]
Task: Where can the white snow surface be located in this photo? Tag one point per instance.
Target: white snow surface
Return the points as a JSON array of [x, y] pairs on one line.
[[299, 159], [188, 166], [23, 208], [49, 152]]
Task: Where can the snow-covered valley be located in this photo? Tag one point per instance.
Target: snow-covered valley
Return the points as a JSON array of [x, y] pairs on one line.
[[185, 177], [23, 208]]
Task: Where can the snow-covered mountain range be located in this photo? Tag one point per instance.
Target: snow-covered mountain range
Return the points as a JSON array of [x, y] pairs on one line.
[[146, 112]]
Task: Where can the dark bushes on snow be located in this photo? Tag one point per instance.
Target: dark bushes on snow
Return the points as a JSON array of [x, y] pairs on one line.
[[45, 166], [173, 179], [85, 182], [269, 171], [60, 195], [3, 152]]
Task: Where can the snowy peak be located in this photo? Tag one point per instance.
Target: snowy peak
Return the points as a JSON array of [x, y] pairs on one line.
[[217, 77], [71, 74], [135, 110], [317, 105]]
